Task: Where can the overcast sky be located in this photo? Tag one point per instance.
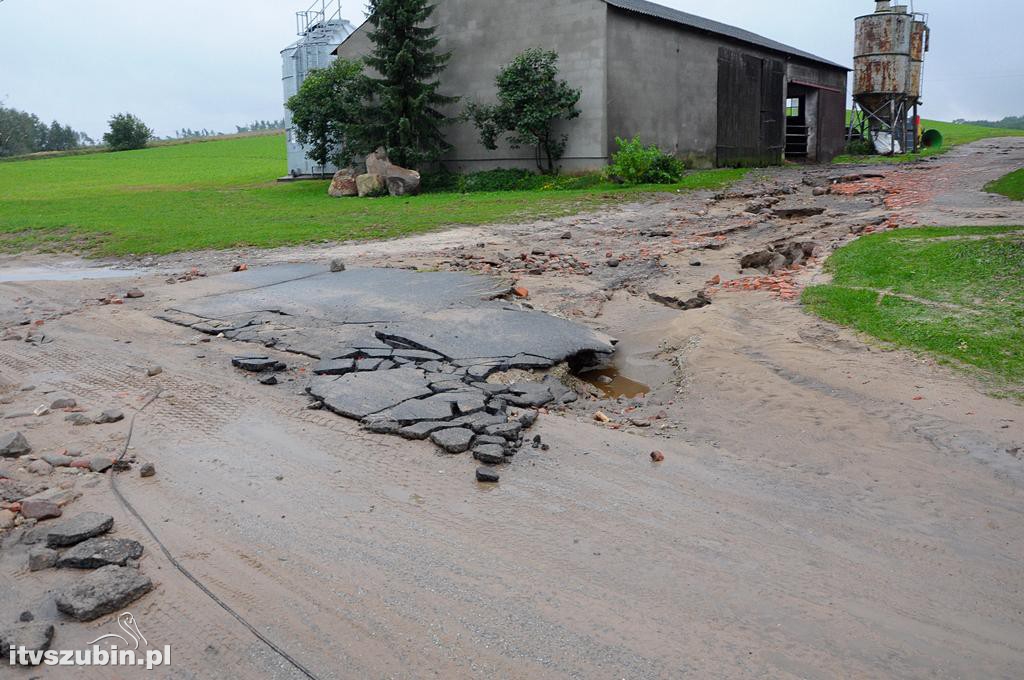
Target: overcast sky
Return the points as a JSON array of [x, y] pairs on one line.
[[214, 63]]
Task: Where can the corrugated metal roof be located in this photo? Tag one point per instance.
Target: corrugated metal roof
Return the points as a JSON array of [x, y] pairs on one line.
[[702, 24]]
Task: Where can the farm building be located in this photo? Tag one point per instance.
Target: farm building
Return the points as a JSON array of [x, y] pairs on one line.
[[710, 93]]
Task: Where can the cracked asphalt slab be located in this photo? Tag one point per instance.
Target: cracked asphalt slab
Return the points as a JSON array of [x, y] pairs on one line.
[[811, 518]]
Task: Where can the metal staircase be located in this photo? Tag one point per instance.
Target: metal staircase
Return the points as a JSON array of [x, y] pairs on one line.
[[317, 16]]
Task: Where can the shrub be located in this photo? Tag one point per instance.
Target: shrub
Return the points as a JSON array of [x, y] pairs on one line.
[[505, 180], [531, 100], [127, 132], [635, 163]]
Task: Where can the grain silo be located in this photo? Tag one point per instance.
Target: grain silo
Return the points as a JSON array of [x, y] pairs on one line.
[[890, 45], [320, 29]]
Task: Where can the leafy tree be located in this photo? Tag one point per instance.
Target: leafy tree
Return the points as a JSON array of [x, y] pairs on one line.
[[329, 112], [403, 116], [531, 101], [127, 132]]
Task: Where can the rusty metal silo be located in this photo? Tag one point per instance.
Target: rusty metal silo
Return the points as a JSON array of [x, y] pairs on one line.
[[888, 63]]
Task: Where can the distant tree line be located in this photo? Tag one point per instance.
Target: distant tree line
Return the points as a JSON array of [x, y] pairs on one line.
[[1008, 123], [255, 126], [23, 133]]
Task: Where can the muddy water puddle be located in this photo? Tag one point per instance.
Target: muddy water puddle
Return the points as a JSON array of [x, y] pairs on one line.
[[614, 385]]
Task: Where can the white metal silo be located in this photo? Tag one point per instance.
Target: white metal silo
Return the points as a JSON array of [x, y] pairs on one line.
[[320, 29]]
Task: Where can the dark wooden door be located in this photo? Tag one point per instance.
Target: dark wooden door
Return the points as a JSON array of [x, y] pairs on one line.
[[751, 109]]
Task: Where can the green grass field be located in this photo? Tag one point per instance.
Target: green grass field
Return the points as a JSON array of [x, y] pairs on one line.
[[1012, 185], [223, 194], [954, 292], [953, 136]]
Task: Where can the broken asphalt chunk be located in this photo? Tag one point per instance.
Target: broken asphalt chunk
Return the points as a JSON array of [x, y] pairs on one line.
[[100, 552], [455, 440], [258, 364], [77, 529], [103, 592]]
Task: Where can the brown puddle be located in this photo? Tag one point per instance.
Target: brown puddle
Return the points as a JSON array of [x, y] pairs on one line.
[[614, 384]]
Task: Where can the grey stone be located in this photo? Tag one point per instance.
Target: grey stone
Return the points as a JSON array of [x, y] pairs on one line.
[[100, 552], [337, 264], [62, 400], [6, 520], [108, 416], [103, 592], [154, 371], [269, 380], [33, 637], [487, 476], [40, 467], [358, 395], [492, 454], [77, 529], [456, 440], [100, 463], [57, 460], [40, 558], [134, 294], [147, 470], [528, 418], [14, 445], [78, 419]]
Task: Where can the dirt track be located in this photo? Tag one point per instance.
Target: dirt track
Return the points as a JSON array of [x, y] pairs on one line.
[[825, 509]]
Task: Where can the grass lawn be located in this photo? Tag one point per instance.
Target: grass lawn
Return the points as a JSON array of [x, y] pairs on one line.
[[222, 194], [1012, 185], [953, 135], [954, 292]]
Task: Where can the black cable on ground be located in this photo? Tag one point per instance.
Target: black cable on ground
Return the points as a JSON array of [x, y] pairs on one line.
[[177, 565]]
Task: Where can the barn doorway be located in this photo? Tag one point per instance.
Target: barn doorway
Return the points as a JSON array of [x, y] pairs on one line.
[[751, 119]]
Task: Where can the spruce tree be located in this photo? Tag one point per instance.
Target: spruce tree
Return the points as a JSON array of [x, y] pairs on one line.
[[404, 117]]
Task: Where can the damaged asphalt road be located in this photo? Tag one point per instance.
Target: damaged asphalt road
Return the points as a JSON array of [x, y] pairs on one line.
[[792, 496], [407, 353]]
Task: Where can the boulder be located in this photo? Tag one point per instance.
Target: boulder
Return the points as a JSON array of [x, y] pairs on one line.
[[371, 184], [14, 445], [100, 552], [103, 592], [402, 182], [344, 184], [377, 163], [77, 529]]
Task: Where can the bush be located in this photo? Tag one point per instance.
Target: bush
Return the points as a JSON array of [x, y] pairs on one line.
[[635, 163], [127, 132]]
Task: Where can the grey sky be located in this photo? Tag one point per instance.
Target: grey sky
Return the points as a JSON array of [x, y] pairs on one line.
[[212, 64]]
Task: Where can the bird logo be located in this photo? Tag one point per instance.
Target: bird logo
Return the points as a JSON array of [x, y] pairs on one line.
[[127, 623]]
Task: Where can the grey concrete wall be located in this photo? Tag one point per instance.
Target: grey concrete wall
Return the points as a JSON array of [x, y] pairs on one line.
[[484, 35], [663, 84]]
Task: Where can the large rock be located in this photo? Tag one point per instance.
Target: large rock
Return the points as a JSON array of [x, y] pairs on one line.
[[32, 637], [344, 184], [100, 552], [77, 529], [103, 592], [403, 182], [14, 445], [378, 163], [371, 184]]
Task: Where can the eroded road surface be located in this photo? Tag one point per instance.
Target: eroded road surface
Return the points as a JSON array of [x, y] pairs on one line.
[[824, 507]]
